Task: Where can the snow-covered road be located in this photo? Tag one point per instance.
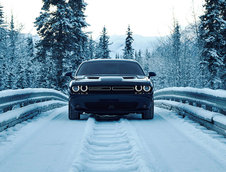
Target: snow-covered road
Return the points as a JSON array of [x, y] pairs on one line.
[[51, 142]]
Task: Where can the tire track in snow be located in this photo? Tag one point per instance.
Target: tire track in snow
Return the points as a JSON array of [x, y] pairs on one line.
[[109, 146]]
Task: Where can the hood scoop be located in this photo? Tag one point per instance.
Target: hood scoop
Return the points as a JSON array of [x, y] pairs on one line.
[[111, 79]]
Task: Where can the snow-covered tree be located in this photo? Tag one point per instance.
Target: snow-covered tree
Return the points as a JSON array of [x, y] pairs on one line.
[[223, 43], [128, 51], [147, 61], [30, 46], [20, 71], [78, 20], [60, 27], [212, 33], [176, 54], [29, 71], [11, 55], [91, 48], [2, 47], [13, 35], [190, 57], [1, 15], [17, 68], [138, 57], [102, 49]]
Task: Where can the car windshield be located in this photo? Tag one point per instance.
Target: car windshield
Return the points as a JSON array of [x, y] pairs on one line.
[[110, 68]]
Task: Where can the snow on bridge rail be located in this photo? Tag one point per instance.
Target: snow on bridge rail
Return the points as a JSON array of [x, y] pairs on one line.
[[19, 105], [206, 106]]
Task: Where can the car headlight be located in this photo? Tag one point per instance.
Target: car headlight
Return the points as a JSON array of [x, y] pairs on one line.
[[84, 88], [147, 88], [138, 88], [75, 88]]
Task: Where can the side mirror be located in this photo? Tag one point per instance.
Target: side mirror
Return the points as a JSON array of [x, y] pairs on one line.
[[69, 74], [151, 74]]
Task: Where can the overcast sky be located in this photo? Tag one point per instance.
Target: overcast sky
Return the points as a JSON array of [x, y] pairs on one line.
[[146, 17]]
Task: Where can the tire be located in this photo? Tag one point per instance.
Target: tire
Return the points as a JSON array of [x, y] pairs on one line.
[[73, 114], [149, 114]]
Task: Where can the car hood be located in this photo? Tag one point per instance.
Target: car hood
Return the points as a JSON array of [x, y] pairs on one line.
[[111, 80]]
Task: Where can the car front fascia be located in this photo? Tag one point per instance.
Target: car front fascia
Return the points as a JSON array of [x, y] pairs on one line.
[[142, 101]]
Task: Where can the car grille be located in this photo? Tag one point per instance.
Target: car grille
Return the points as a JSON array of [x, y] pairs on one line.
[[99, 88], [111, 89], [122, 88]]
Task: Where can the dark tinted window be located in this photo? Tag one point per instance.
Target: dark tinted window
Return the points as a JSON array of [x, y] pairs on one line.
[[110, 68]]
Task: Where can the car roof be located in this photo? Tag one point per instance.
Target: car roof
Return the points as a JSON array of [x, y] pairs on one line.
[[112, 60]]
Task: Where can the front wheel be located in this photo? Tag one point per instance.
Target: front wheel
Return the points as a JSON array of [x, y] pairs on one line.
[[73, 114], [149, 114]]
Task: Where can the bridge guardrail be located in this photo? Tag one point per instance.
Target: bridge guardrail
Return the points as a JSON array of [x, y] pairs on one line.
[[19, 105], [191, 102]]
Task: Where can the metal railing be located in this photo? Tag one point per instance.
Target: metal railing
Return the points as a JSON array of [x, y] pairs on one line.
[[19, 105], [206, 106]]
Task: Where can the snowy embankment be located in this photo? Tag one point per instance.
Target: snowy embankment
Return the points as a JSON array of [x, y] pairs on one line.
[[205, 106], [19, 105]]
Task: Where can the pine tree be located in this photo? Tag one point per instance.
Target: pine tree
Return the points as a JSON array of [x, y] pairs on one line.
[[146, 61], [20, 71], [13, 37], [102, 50], [138, 57], [30, 76], [176, 54], [222, 48], [213, 38], [128, 51], [78, 19], [61, 34], [1, 15], [30, 46], [91, 49], [2, 31], [10, 61]]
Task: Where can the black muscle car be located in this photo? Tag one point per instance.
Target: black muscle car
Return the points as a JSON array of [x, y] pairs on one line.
[[110, 87]]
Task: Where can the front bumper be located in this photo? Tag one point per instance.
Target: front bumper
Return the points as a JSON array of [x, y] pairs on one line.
[[111, 103]]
